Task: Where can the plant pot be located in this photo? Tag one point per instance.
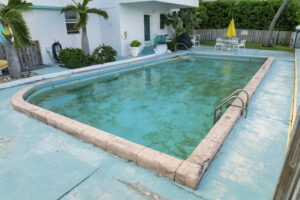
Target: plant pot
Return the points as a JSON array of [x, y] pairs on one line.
[[134, 51]]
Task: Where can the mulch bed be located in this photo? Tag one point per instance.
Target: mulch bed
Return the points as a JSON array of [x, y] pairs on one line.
[[4, 79]]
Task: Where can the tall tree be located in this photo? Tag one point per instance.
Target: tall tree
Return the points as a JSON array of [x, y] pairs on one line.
[[14, 27], [82, 11], [270, 42]]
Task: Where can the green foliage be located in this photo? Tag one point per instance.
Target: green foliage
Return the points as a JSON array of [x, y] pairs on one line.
[[82, 11], [135, 43], [192, 18], [254, 14], [172, 45], [73, 58], [186, 20], [13, 22], [104, 54], [175, 21]]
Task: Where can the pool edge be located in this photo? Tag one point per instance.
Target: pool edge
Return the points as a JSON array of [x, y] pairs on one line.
[[187, 172], [203, 155]]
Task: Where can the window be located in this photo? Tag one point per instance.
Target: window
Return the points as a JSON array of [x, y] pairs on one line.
[[71, 20], [162, 21]]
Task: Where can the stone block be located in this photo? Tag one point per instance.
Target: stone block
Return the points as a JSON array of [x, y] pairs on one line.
[[96, 137], [159, 162], [189, 174], [124, 148]]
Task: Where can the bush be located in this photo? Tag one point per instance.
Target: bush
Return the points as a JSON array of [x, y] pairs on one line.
[[135, 43], [72, 58], [254, 14], [104, 54]]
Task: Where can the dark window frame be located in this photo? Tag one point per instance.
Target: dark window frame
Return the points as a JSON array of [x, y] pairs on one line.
[[71, 20], [162, 18]]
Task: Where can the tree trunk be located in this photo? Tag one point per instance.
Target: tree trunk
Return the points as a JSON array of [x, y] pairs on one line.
[[85, 42], [270, 42], [14, 65]]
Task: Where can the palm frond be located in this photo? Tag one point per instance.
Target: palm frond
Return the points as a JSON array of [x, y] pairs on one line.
[[18, 4], [20, 31], [75, 2], [98, 12], [3, 9], [2, 6], [69, 7], [85, 3], [82, 21]]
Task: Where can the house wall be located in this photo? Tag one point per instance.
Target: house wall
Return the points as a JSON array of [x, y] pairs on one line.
[[60, 3], [110, 28], [132, 20], [178, 3], [48, 26]]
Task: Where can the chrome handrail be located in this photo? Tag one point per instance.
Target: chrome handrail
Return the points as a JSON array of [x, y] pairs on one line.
[[244, 106], [239, 90], [189, 49]]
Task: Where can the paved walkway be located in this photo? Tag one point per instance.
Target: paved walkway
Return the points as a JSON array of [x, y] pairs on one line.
[[40, 162]]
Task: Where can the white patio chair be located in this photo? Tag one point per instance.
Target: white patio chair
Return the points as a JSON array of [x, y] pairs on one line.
[[219, 44], [234, 44], [196, 40], [242, 44]]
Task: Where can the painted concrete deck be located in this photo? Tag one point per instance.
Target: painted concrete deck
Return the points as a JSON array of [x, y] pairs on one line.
[[40, 162]]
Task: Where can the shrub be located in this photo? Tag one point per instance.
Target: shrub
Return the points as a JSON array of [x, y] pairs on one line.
[[254, 14], [72, 58], [103, 54], [135, 43]]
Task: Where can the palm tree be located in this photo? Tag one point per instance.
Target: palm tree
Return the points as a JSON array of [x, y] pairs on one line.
[[14, 27], [270, 42], [82, 12]]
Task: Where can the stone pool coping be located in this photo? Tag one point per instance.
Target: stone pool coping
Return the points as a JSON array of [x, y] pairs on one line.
[[187, 172]]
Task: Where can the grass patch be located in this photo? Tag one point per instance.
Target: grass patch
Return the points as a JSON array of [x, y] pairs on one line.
[[254, 46]]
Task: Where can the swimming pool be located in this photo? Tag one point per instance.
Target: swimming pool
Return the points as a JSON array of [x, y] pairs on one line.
[[165, 104]]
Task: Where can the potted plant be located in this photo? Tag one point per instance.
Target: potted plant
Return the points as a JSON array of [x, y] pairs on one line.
[[135, 48]]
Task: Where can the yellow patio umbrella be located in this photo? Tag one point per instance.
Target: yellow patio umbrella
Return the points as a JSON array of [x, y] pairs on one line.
[[230, 30]]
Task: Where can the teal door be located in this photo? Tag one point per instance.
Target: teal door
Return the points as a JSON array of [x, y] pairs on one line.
[[147, 27]]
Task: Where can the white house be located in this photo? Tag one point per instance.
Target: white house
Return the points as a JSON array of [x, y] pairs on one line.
[[139, 18]]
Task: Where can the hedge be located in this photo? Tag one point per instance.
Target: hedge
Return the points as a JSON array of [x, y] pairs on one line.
[[250, 14]]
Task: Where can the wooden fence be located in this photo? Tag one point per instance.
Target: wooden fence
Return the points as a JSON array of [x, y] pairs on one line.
[[254, 36], [29, 56]]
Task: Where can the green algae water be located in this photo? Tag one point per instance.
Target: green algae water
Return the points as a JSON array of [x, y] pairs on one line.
[[166, 106]]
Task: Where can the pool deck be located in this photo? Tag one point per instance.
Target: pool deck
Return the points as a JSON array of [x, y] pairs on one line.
[[40, 162]]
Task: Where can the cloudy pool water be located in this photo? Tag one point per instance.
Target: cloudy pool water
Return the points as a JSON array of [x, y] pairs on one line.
[[166, 106]]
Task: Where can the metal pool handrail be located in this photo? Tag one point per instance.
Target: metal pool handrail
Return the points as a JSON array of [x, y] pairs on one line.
[[184, 46], [244, 107], [239, 90]]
